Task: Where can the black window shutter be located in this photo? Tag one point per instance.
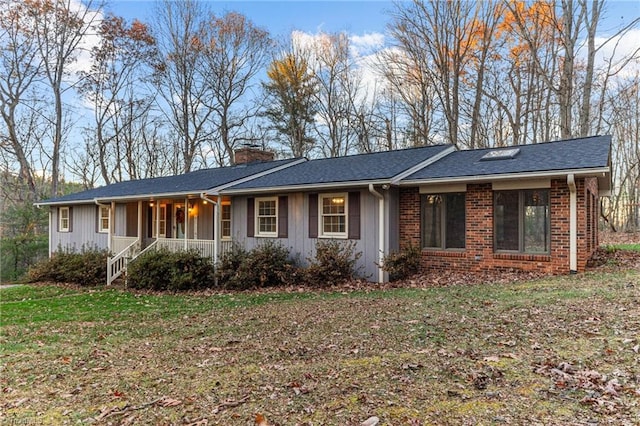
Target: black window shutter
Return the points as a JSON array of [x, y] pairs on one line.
[[150, 213], [251, 221], [354, 215], [97, 218], [313, 215], [168, 223], [58, 220], [283, 217], [70, 219]]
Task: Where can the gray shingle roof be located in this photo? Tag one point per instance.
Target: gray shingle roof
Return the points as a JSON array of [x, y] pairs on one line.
[[193, 182], [582, 153], [353, 168]]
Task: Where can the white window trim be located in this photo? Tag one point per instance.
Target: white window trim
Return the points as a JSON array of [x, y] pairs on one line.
[[101, 217], [62, 228], [226, 237], [257, 218], [321, 215]]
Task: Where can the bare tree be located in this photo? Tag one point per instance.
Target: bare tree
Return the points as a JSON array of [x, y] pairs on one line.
[[20, 67], [120, 104], [339, 93], [59, 27], [438, 38], [235, 51], [180, 33]]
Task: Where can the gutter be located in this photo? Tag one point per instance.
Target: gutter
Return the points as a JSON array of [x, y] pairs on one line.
[[573, 224], [307, 187], [381, 229], [505, 176]]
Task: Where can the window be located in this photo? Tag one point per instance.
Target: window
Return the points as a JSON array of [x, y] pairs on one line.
[[443, 221], [521, 221], [267, 217], [333, 215], [64, 224], [103, 219], [162, 224], [225, 221]]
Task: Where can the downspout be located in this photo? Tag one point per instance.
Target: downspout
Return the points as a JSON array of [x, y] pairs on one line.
[[50, 230], [573, 224], [381, 228], [216, 226]]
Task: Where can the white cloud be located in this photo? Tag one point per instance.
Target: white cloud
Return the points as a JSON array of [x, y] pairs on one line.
[[89, 40], [617, 49], [366, 44]]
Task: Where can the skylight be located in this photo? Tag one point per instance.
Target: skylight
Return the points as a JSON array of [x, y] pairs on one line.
[[500, 154]]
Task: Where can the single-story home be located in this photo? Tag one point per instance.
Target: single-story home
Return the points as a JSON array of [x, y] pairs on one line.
[[528, 207]]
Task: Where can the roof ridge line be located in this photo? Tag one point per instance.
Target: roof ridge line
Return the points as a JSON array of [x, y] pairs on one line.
[[217, 189], [408, 172]]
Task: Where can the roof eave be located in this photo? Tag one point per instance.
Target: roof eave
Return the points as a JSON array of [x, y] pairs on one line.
[[306, 187], [600, 172]]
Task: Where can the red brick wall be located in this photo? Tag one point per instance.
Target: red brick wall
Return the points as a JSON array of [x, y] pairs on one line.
[[479, 254]]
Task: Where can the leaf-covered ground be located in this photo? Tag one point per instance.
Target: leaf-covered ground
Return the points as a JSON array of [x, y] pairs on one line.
[[552, 351]]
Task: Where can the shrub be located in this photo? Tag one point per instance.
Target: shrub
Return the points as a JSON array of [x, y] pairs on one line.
[[333, 263], [267, 265], [86, 268], [174, 271], [403, 264], [229, 264]]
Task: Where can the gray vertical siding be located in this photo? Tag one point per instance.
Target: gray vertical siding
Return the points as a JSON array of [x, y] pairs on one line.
[[205, 220], [393, 220], [298, 241], [120, 220], [83, 232]]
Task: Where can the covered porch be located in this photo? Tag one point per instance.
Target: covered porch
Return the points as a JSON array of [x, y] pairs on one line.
[[174, 224]]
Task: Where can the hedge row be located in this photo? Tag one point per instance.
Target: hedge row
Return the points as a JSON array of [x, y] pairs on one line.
[[267, 265]]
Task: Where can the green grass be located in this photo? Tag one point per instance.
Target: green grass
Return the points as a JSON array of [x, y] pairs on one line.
[[405, 355], [632, 247]]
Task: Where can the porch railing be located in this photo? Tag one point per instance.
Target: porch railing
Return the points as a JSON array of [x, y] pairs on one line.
[[119, 243], [204, 247], [117, 264]]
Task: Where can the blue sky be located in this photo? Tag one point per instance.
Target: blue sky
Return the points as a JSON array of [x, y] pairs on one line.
[[282, 17], [354, 17]]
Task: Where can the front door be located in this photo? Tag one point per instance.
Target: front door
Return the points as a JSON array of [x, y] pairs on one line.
[[179, 215]]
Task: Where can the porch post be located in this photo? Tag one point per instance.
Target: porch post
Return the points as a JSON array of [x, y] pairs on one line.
[[140, 223], [157, 213], [186, 222], [216, 229], [112, 224]]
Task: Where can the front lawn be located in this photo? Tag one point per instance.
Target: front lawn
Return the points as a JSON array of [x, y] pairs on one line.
[[561, 350]]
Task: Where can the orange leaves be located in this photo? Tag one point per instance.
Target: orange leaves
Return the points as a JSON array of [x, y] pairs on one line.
[[261, 420]]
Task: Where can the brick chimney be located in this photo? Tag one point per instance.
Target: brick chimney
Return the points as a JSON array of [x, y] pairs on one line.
[[250, 154]]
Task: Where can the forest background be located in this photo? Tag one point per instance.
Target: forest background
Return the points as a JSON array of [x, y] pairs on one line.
[[89, 98]]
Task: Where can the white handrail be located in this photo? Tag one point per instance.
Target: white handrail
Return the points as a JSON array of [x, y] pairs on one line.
[[117, 264]]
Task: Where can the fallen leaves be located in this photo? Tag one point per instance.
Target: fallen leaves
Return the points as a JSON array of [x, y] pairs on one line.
[[601, 392]]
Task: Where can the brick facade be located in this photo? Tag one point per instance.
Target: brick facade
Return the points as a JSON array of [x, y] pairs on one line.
[[479, 254]]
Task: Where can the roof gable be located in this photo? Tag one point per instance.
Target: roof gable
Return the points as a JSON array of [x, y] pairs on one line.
[[378, 166]]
